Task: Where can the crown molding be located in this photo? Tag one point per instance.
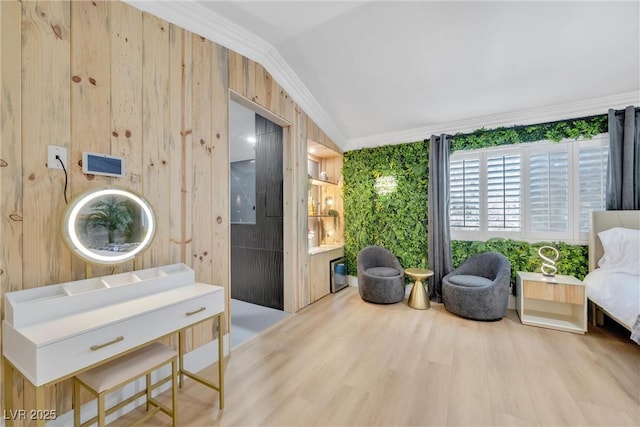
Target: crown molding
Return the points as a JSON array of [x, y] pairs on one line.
[[551, 113], [193, 16]]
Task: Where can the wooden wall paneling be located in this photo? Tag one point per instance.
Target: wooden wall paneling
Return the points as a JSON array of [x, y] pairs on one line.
[[181, 179], [126, 96], [316, 134], [10, 147], [126, 102], [250, 80], [268, 85], [237, 73], [10, 154], [90, 100], [250, 68], [257, 83], [221, 231], [295, 210], [333, 167], [287, 106], [262, 83], [276, 96], [234, 78], [126, 91], [90, 111], [46, 103], [155, 135], [201, 168]]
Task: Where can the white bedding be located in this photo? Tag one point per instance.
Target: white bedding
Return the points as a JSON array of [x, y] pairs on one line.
[[617, 293]]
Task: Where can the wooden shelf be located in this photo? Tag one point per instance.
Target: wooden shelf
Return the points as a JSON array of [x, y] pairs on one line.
[[320, 182], [545, 319]]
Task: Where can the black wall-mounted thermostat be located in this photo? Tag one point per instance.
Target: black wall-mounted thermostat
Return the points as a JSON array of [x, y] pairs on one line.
[[102, 164]]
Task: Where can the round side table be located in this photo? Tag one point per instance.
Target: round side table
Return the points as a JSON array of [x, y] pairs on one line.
[[418, 297]]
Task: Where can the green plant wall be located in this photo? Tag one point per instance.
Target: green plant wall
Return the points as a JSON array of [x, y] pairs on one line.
[[586, 127], [398, 220]]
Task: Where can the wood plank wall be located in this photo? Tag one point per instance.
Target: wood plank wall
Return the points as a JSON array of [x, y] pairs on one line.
[[105, 77]]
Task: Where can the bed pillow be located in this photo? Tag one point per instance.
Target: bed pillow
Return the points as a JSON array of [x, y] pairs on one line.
[[621, 250]]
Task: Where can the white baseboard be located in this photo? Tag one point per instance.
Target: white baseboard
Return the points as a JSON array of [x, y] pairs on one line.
[[194, 361]]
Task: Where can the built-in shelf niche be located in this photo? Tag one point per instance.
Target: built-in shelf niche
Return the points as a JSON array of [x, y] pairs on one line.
[[325, 204]]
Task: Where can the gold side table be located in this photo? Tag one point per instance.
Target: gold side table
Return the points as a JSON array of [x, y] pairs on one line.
[[418, 297]]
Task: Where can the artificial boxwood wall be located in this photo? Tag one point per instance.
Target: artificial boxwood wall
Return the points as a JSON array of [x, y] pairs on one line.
[[398, 220]]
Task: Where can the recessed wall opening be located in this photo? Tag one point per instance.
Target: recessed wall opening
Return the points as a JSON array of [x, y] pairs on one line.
[[256, 205]]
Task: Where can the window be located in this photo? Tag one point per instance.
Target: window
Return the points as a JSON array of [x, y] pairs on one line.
[[549, 190], [503, 193], [464, 194], [538, 191], [592, 177]]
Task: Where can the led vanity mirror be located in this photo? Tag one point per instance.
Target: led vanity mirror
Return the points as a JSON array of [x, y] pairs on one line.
[[108, 226]]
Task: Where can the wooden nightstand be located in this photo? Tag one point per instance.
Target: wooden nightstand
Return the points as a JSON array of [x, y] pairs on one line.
[[558, 302]]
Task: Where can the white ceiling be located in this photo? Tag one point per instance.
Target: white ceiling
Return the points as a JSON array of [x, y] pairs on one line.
[[377, 72]]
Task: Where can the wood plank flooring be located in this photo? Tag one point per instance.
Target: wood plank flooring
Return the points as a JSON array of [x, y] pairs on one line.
[[345, 362]]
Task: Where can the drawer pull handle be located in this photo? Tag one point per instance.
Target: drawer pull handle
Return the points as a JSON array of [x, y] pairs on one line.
[[191, 313], [99, 346]]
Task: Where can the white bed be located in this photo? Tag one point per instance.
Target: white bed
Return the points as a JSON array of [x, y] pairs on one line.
[[614, 287]]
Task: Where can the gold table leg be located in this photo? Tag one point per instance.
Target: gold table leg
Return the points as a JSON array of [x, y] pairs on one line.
[[40, 420], [221, 360], [37, 414], [8, 391], [182, 371], [418, 298], [181, 350]]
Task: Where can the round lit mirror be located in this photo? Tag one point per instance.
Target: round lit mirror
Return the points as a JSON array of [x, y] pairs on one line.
[[108, 226]]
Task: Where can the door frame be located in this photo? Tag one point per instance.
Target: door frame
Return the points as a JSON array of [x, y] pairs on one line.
[[292, 261]]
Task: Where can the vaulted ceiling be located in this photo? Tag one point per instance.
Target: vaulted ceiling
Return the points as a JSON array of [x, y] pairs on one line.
[[379, 72]]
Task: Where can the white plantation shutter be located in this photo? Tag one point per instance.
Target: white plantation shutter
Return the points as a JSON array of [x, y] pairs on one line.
[[464, 194], [503, 193], [540, 191], [592, 164], [549, 191]]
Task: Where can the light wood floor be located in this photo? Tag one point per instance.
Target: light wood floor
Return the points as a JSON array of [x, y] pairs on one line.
[[345, 362]]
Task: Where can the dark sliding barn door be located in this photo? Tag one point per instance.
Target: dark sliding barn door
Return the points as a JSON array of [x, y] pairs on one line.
[[257, 249]]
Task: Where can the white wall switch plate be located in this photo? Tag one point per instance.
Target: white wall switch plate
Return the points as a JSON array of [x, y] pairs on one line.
[[52, 152]]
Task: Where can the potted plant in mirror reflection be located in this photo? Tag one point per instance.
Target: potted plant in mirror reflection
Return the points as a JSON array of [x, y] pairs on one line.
[[112, 215]]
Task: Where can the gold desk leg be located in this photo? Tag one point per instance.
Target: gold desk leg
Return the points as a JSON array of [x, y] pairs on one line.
[[8, 391], [40, 420], [174, 392], [221, 359], [181, 348], [182, 372]]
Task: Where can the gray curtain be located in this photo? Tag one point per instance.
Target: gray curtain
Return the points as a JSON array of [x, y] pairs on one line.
[[623, 169], [439, 241]]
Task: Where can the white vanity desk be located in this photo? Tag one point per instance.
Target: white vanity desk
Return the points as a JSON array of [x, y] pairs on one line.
[[54, 332]]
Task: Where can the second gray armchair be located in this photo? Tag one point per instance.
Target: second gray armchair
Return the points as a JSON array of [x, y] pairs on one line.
[[479, 288]]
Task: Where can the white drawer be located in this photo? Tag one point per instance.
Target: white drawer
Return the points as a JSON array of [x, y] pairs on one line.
[[64, 357]]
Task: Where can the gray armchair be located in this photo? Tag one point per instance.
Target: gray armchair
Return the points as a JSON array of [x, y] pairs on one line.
[[479, 288], [380, 276]]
